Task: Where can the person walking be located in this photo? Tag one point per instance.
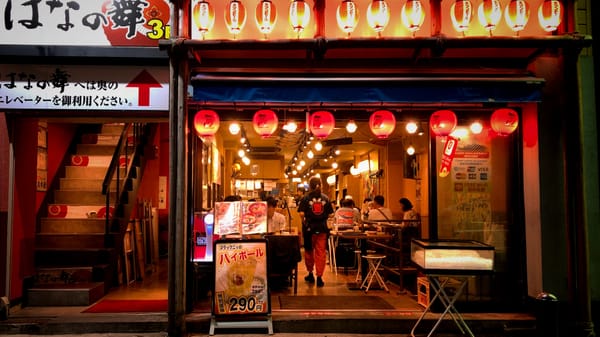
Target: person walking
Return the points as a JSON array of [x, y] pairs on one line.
[[314, 209]]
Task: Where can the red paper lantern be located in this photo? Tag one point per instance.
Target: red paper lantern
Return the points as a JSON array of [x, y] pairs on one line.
[[204, 17], [442, 122], [550, 15], [321, 123], [235, 17], [347, 16], [382, 123], [516, 15], [461, 13], [504, 121], [265, 122], [206, 123], [489, 14], [378, 15], [412, 15], [299, 15], [266, 16]]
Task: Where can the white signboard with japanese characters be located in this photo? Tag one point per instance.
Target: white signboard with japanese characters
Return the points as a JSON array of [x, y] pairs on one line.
[[84, 22], [84, 87]]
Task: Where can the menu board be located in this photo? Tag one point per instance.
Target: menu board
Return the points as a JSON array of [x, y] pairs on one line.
[[240, 217], [241, 278]]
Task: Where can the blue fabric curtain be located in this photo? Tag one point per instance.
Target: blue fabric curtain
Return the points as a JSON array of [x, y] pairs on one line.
[[405, 91]]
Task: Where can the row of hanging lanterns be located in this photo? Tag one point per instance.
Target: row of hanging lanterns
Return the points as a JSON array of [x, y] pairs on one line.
[[382, 123], [503, 122], [489, 13], [320, 123]]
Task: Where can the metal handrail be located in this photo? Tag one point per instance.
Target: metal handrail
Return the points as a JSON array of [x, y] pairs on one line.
[[124, 145]]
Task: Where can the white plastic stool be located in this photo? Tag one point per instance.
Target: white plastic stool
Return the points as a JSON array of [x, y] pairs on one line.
[[374, 261], [358, 266]]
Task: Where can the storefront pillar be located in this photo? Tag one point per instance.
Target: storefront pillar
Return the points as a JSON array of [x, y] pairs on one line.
[[177, 193]]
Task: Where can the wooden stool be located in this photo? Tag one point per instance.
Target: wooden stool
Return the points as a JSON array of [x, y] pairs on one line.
[[374, 261]]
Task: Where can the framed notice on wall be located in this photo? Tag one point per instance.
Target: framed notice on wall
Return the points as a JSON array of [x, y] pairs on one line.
[[240, 285]]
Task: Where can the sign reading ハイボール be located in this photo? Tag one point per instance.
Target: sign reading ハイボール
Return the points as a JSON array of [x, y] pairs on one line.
[[84, 22], [84, 88], [241, 278]]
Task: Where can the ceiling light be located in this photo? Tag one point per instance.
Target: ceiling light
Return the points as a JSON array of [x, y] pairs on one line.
[[241, 153], [310, 154], [318, 146], [351, 126], [234, 128], [334, 165], [290, 126], [411, 127], [246, 161], [410, 150], [476, 127]]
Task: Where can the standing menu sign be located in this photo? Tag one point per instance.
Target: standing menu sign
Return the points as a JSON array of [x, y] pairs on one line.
[[241, 278]]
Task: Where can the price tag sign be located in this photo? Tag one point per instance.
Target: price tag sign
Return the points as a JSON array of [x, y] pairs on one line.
[[241, 278]]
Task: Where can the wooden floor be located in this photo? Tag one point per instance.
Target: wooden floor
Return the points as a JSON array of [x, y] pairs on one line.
[[340, 283]]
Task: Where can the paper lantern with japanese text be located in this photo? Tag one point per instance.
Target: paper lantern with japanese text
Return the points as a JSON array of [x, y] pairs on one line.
[[265, 122], [206, 123], [382, 123], [204, 17], [504, 121], [266, 16], [299, 15], [378, 15], [412, 15], [550, 15], [235, 16], [489, 14], [461, 13], [516, 15], [321, 123], [443, 122], [347, 16]]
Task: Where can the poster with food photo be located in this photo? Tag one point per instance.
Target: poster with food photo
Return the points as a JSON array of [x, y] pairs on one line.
[[240, 217], [241, 278]]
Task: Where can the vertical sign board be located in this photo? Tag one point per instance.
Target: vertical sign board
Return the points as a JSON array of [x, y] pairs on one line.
[[240, 285]]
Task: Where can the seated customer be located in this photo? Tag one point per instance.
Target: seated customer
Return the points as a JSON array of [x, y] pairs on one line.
[[346, 216], [276, 221], [409, 213], [378, 212]]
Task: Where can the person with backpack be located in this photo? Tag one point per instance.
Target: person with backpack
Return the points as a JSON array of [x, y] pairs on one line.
[[314, 209]]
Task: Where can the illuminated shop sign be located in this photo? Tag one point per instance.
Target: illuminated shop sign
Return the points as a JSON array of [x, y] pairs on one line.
[[84, 87], [84, 22]]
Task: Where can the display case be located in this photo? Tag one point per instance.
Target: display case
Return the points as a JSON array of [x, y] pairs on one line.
[[452, 256]]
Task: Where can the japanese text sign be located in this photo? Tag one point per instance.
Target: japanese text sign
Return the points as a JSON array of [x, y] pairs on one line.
[[84, 87], [241, 278], [84, 22]]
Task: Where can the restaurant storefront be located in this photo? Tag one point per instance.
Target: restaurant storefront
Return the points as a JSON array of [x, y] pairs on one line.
[[494, 189]]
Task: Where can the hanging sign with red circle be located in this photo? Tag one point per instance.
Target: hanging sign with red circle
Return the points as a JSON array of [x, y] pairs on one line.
[[448, 156]]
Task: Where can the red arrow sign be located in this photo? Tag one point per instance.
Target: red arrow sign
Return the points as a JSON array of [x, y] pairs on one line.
[[144, 81]]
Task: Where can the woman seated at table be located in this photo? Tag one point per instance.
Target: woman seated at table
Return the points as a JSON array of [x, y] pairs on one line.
[[347, 216]]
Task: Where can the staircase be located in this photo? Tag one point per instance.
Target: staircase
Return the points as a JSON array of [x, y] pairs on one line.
[[76, 257]]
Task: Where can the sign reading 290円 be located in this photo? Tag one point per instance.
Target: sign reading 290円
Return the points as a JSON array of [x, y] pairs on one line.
[[241, 278]]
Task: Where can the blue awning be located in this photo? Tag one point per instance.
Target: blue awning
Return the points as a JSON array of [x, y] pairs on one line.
[[366, 89]]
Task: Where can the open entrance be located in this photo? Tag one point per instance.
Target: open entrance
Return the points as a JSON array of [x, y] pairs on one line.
[[477, 197]]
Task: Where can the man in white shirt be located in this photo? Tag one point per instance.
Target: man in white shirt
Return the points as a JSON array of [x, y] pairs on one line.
[[378, 212], [276, 221]]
